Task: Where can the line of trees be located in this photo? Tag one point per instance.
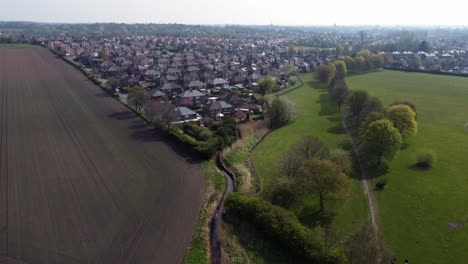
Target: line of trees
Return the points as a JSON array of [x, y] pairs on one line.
[[383, 131]]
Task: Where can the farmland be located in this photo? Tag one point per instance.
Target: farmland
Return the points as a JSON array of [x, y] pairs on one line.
[[423, 212], [82, 178]]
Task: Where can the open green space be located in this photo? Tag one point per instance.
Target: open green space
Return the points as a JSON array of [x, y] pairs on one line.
[[424, 213], [316, 116]]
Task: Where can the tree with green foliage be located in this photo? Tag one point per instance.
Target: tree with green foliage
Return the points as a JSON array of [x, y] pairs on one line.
[[280, 111], [339, 93], [425, 46], [113, 83], [265, 86], [341, 69], [381, 140], [359, 64], [408, 103], [290, 70], [307, 148], [414, 62], [356, 101], [282, 226], [342, 159], [325, 179], [403, 119], [138, 97], [373, 104], [339, 50], [326, 73], [377, 61], [371, 117], [349, 64]]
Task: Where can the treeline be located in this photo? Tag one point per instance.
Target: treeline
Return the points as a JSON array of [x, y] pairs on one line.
[[282, 226], [383, 131]]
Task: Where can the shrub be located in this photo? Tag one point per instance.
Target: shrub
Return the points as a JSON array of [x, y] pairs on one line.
[[282, 225], [380, 185], [291, 81], [424, 159]]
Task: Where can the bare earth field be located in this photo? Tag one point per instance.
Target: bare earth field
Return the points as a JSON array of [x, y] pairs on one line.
[[83, 179]]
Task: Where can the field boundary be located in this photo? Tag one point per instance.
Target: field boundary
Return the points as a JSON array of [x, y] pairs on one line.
[[366, 186], [428, 72]]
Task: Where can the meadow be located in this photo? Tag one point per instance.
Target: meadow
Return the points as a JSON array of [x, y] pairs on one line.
[[424, 213], [316, 116]]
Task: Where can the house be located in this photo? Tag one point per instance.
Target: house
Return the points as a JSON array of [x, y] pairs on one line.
[[196, 85], [217, 83], [171, 88], [251, 108], [232, 99], [191, 98], [215, 107], [157, 95], [183, 114]]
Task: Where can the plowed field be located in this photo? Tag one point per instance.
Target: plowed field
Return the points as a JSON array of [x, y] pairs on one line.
[[83, 179]]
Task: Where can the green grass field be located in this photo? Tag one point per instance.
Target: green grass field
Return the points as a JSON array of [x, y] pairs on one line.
[[417, 207], [317, 116]]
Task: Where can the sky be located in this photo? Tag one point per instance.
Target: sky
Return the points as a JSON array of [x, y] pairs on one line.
[[248, 12]]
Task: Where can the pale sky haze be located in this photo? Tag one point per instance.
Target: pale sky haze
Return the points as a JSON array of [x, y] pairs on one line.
[[284, 12]]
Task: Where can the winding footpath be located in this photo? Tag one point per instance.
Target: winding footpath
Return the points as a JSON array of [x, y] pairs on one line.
[[366, 185]]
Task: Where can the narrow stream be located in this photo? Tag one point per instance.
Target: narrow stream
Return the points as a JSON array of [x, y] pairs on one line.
[[215, 245]]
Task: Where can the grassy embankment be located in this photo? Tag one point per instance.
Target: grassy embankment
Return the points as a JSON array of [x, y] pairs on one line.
[[418, 207], [317, 116]]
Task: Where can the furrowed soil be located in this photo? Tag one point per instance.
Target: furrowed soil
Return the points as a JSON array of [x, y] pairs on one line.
[[82, 178]]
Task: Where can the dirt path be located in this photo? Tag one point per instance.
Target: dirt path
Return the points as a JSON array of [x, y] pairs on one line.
[[366, 184]]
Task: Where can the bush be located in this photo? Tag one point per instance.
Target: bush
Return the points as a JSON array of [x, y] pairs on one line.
[[282, 225], [291, 81], [424, 159], [380, 185]]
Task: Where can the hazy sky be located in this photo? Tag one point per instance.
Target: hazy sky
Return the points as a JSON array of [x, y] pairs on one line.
[[278, 12]]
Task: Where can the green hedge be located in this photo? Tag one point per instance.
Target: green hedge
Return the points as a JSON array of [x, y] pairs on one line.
[[282, 225]]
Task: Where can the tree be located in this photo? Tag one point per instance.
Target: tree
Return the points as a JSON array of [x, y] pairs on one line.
[[308, 148], [377, 61], [403, 119], [342, 159], [380, 140], [359, 63], [290, 70], [414, 63], [265, 85], [325, 179], [341, 69], [326, 73], [280, 111], [339, 50], [371, 117], [388, 59], [339, 93], [408, 103], [349, 63], [113, 83], [425, 46], [161, 113], [138, 97], [364, 246], [373, 104], [356, 101]]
